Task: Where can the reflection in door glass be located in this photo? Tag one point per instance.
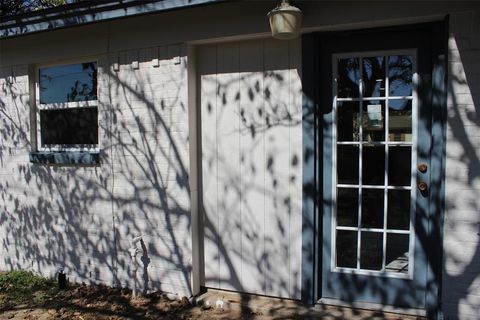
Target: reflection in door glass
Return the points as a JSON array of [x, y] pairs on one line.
[[400, 72], [348, 78], [346, 249], [374, 77], [347, 164], [398, 211], [399, 166], [373, 160], [347, 208], [372, 208], [348, 124], [400, 120], [373, 121], [374, 116], [397, 253], [372, 250]]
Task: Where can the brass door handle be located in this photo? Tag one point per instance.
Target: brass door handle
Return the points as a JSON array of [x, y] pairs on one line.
[[422, 167], [422, 186]]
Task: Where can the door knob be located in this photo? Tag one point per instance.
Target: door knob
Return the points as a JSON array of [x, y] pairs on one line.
[[422, 186], [422, 167]]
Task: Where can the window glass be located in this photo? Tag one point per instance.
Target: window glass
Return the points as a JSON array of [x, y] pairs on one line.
[[72, 126], [373, 171], [398, 209], [348, 122], [374, 76], [372, 208], [373, 121], [400, 73], [399, 166], [375, 105], [400, 120], [397, 253], [371, 250], [347, 164], [68, 83], [346, 249], [347, 207], [348, 78]]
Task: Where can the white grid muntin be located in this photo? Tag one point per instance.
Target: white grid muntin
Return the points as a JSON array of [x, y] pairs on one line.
[[63, 105], [414, 98]]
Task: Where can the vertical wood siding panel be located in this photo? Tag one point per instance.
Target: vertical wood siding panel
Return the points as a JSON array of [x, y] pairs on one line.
[[228, 139], [258, 156], [252, 159], [276, 92], [208, 88]]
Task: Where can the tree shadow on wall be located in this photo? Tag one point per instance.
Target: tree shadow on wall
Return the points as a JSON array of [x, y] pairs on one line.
[[462, 226], [83, 218]]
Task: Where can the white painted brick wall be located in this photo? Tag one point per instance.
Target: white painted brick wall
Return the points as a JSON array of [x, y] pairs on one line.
[[83, 218], [461, 279]]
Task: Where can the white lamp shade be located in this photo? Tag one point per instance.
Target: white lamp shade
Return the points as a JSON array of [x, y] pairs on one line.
[[285, 21]]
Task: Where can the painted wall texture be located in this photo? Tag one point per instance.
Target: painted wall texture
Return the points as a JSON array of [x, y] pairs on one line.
[[251, 114], [461, 278], [82, 219]]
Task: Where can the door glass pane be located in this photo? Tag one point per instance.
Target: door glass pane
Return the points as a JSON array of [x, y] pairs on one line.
[[373, 158], [397, 253], [372, 208], [372, 250], [348, 78], [400, 70], [399, 166], [372, 217], [347, 207], [346, 249], [347, 164], [373, 121], [398, 216], [400, 120], [374, 76], [348, 116]]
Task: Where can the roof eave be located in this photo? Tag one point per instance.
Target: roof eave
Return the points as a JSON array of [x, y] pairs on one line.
[[69, 16]]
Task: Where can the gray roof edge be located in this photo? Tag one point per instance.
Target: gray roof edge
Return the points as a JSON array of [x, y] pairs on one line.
[[46, 20]]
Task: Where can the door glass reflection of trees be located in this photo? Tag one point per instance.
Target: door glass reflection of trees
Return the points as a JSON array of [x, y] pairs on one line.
[[374, 109]]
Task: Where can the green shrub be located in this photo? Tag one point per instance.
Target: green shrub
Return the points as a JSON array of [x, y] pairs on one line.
[[17, 287]]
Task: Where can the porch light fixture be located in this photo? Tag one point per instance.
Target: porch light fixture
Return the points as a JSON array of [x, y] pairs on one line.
[[285, 21]]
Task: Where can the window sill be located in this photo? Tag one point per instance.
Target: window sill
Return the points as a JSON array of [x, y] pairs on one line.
[[66, 158]]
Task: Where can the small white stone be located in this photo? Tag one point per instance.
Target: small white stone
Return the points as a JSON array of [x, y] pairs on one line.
[[172, 296]]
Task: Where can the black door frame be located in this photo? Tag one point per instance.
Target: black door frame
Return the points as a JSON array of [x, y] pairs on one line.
[[313, 145]]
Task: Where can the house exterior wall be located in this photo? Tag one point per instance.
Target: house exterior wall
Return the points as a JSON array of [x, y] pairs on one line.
[[82, 218], [461, 277]]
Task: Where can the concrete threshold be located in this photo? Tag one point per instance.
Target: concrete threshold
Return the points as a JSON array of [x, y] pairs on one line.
[[280, 308]]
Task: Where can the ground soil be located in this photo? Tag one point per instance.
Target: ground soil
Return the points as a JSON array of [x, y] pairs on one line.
[[100, 302], [82, 302]]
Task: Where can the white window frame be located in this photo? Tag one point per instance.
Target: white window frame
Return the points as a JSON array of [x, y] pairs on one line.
[[412, 187], [64, 105]]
